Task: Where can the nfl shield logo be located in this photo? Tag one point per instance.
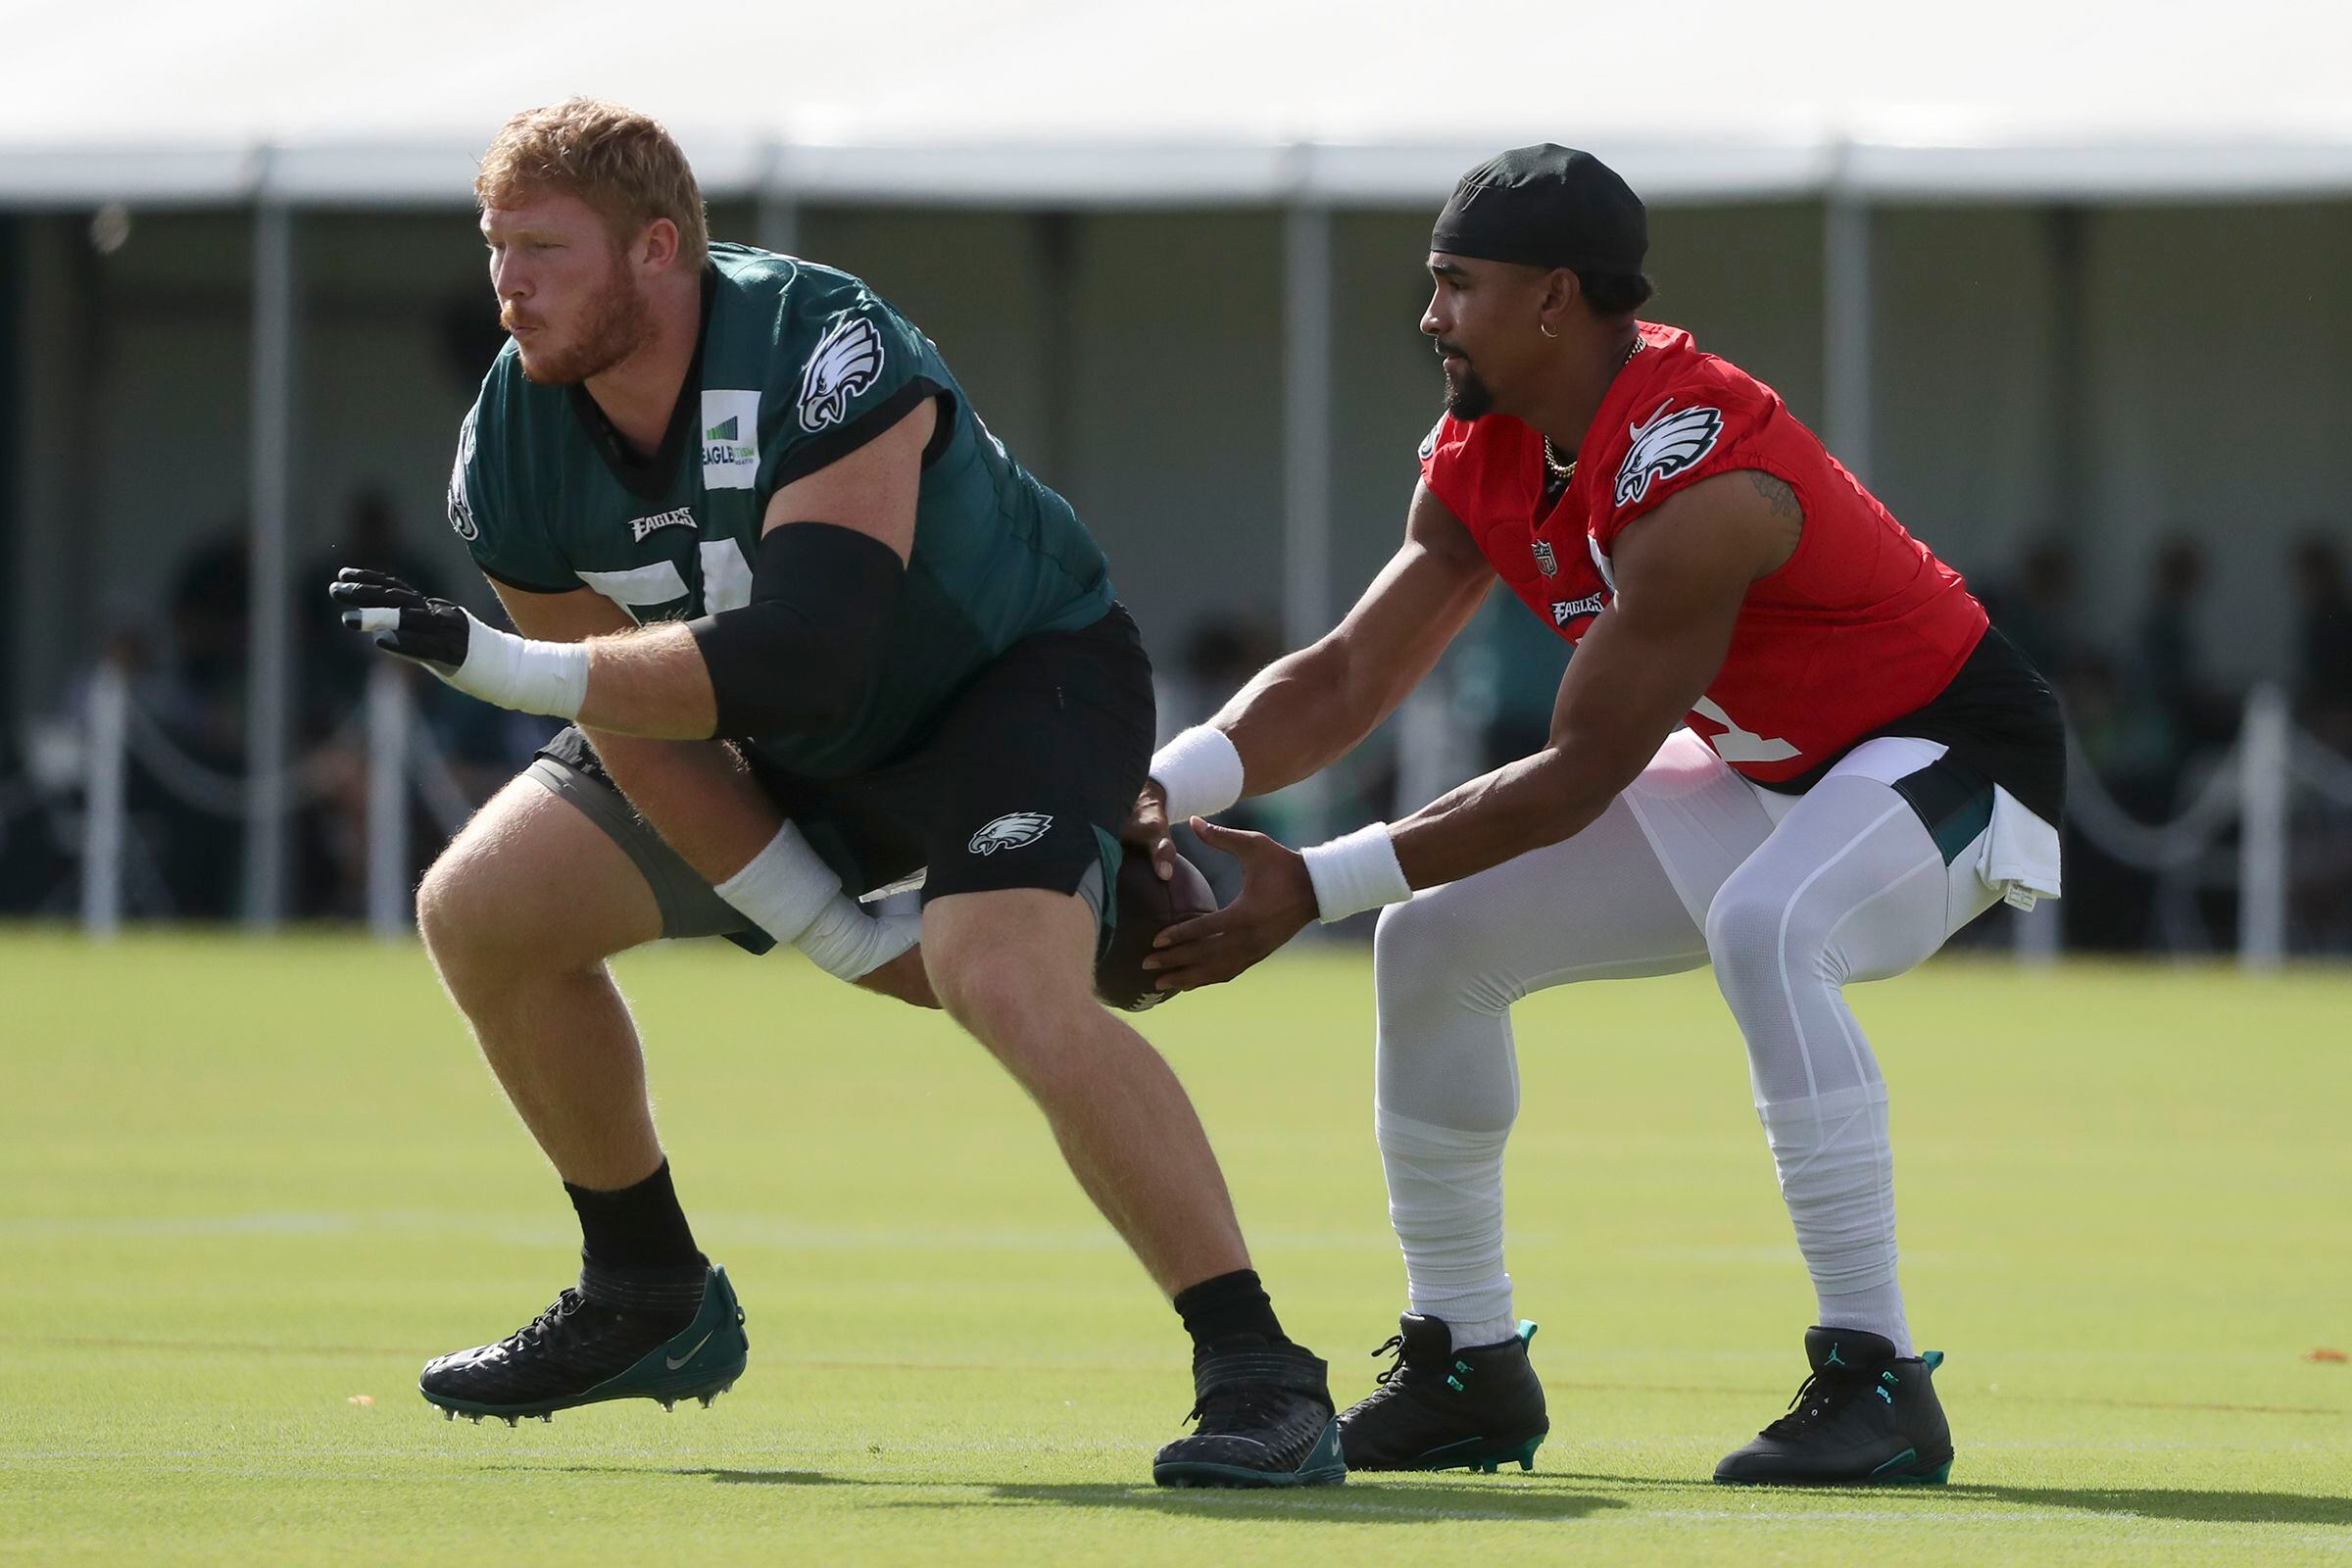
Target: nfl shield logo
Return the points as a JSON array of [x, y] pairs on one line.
[[1545, 561]]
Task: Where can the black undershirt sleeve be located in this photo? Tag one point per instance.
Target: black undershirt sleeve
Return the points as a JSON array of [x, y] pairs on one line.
[[802, 655]]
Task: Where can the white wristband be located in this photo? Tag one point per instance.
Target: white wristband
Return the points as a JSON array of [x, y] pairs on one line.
[[783, 888], [849, 944], [1201, 772], [1355, 873], [523, 673]]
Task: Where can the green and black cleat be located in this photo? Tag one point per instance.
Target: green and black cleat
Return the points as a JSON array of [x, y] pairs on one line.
[[616, 1337], [1440, 1408], [1865, 1417], [1265, 1421]]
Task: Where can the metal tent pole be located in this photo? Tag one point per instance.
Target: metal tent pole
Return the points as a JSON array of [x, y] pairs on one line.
[[1307, 429], [269, 687], [1846, 277]]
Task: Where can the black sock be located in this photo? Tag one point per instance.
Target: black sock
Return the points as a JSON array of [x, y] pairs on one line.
[[637, 1228], [1226, 1307]]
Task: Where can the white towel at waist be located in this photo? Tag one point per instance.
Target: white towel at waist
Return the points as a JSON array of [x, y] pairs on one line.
[[2020, 853]]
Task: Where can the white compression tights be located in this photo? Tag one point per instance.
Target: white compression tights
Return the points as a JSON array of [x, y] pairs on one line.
[[1846, 886]]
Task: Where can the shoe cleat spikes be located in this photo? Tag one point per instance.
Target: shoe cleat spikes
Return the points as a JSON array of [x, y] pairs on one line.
[[670, 1405], [447, 1414], [511, 1422]]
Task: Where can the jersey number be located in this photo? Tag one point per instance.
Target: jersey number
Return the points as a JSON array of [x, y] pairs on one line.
[[726, 582], [1736, 745]]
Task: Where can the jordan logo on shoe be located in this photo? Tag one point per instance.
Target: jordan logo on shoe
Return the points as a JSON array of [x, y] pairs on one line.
[[1833, 1359], [673, 1362]]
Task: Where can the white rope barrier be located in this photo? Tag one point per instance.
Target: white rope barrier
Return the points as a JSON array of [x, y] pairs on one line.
[[2321, 772], [2250, 786], [218, 794], [2149, 846]]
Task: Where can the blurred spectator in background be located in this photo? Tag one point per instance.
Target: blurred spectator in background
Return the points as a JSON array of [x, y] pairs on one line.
[[2323, 641], [335, 662], [209, 610], [1511, 681], [2035, 608], [2168, 675]]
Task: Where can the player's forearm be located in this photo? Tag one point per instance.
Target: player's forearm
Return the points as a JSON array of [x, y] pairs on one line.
[[1522, 806], [1298, 715], [696, 795], [651, 683]]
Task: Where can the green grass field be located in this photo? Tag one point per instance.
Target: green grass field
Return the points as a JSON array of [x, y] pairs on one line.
[[242, 1183]]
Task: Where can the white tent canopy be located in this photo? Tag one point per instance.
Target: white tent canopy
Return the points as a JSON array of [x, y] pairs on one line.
[[1053, 102], [1310, 105]]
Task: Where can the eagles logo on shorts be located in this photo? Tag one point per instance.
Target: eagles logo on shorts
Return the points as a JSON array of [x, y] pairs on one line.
[[1010, 831]]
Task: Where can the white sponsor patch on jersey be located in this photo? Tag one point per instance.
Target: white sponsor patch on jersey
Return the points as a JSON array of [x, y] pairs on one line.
[[730, 439], [1664, 446], [848, 360], [1010, 831]]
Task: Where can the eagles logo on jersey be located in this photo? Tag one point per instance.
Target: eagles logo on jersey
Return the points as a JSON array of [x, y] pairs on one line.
[[847, 360], [1664, 444], [460, 512]]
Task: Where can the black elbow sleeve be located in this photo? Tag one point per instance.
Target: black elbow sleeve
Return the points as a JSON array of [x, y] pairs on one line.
[[802, 653]]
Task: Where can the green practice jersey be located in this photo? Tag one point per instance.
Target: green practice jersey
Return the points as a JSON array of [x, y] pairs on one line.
[[797, 366]]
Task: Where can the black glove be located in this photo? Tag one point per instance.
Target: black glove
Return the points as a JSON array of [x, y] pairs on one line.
[[403, 621]]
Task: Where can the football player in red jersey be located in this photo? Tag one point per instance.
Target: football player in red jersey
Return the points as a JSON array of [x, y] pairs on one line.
[[1788, 746]]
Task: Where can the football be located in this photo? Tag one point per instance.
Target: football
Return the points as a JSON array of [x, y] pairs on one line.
[[1146, 906]]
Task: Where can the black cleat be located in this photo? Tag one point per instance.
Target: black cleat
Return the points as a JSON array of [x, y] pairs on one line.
[[1265, 1421], [1438, 1408], [611, 1338], [1865, 1416]]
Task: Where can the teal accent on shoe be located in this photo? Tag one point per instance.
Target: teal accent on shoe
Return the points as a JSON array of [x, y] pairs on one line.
[[1325, 1465], [702, 1361], [1934, 1359], [1888, 1474], [1482, 1454], [1833, 1359], [1527, 1331]]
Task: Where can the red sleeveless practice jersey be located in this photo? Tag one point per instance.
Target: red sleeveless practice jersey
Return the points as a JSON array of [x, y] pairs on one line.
[[1861, 626]]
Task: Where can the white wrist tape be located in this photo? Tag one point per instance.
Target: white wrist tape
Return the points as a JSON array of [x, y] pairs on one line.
[[1200, 771], [850, 943], [783, 888], [523, 673], [1356, 872]]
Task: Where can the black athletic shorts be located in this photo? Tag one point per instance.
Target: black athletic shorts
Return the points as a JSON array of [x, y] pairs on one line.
[[1024, 782]]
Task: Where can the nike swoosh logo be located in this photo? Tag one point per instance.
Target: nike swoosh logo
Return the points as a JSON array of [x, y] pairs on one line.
[[673, 1362]]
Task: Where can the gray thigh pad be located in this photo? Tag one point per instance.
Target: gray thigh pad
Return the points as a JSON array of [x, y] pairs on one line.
[[688, 904]]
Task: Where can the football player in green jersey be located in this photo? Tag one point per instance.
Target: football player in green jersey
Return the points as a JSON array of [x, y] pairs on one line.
[[818, 628]]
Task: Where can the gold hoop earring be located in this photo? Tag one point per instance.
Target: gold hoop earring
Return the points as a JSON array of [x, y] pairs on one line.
[[1545, 330]]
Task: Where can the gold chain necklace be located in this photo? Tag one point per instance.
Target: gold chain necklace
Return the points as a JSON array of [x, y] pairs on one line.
[[1564, 471]]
